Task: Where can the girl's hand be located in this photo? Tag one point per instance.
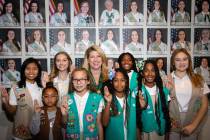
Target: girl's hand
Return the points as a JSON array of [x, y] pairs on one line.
[[169, 83], [4, 95], [142, 102], [188, 130], [44, 78], [64, 105], [107, 95], [37, 108]]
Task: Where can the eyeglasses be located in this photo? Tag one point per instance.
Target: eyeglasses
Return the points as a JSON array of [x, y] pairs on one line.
[[79, 80]]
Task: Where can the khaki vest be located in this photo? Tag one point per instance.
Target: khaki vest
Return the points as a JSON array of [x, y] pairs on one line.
[[23, 114], [193, 108]]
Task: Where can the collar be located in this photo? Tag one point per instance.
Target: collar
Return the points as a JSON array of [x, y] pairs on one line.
[[85, 96]]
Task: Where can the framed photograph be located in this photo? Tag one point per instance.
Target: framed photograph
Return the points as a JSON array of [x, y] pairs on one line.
[[84, 13], [60, 40], [157, 12], [10, 71], [10, 41], [202, 67], [180, 12], [34, 13], [202, 41], [133, 41], [202, 12], [109, 13], [10, 13], [84, 38], [157, 41], [180, 38], [133, 12], [59, 13], [35, 41], [109, 40]]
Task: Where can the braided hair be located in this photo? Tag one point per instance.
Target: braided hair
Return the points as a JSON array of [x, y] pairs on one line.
[[164, 106]]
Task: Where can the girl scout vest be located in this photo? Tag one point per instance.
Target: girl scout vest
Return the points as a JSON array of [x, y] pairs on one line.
[[115, 128], [193, 107], [133, 85], [23, 114], [90, 130], [149, 122]]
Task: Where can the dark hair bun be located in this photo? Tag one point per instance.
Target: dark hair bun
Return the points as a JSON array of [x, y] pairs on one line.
[[49, 84]]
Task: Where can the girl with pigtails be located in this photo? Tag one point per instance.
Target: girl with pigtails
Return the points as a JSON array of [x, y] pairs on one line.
[[152, 104]]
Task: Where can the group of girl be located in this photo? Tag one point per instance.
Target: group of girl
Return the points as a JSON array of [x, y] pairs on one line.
[[83, 103]]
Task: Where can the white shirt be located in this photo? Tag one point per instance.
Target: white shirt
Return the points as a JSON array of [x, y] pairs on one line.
[[123, 105], [183, 88], [34, 90], [62, 86], [81, 103]]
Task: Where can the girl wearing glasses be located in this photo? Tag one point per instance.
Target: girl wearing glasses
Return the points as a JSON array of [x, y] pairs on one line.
[[82, 108]]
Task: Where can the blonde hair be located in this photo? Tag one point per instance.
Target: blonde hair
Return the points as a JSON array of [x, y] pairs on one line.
[[55, 70], [104, 68], [196, 79]]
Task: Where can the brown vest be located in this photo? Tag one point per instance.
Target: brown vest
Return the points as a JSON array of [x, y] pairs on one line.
[[193, 108], [45, 126]]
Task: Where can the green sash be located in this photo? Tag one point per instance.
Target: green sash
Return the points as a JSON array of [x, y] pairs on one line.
[[10, 76], [131, 17], [155, 47], [131, 135], [12, 46], [90, 130], [36, 48]]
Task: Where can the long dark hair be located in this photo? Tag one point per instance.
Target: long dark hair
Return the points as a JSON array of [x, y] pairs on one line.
[[164, 106], [132, 59], [22, 82], [4, 8], [113, 90]]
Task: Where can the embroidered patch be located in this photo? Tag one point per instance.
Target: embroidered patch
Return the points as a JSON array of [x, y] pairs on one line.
[[89, 117], [91, 127], [70, 101]]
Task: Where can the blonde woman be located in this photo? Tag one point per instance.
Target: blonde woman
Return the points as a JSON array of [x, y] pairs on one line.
[[95, 62]]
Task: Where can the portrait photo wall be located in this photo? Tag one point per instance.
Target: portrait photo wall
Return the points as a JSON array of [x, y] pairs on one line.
[[148, 29]]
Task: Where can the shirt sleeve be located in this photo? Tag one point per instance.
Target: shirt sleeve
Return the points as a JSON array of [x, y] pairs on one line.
[[12, 97], [35, 124], [206, 89], [101, 106]]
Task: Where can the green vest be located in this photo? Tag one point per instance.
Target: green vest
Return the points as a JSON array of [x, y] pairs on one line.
[[90, 130], [148, 119], [115, 128], [132, 107]]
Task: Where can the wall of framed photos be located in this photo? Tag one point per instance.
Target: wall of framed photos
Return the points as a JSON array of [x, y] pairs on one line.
[[24, 32]]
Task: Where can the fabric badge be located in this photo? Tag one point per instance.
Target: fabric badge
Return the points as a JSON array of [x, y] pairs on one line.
[[89, 118], [70, 101], [91, 127]]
